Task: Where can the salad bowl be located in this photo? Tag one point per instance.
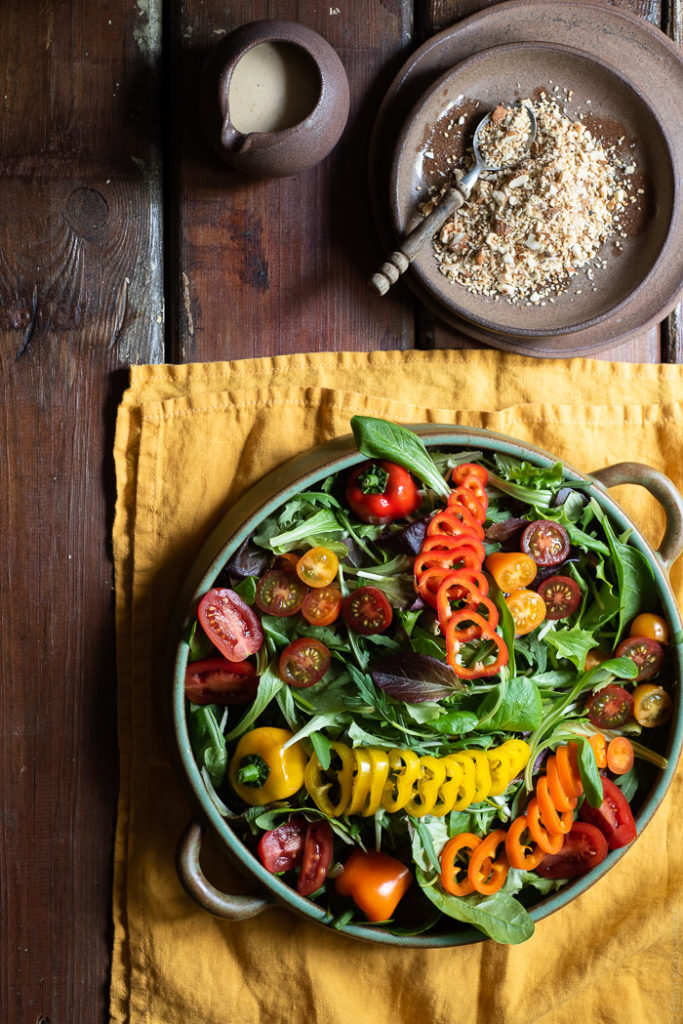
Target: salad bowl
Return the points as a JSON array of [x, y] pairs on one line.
[[224, 815]]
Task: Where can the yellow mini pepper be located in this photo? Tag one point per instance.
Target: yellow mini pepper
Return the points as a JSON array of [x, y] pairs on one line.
[[262, 771]]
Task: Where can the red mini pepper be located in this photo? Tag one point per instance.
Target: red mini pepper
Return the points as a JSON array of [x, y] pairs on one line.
[[381, 491]]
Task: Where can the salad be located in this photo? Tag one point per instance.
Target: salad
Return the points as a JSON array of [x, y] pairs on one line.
[[434, 686]]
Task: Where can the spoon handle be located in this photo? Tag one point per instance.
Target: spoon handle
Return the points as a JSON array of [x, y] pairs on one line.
[[399, 261]]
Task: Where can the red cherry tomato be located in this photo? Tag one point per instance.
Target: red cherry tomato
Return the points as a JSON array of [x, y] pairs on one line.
[[367, 611], [584, 848], [321, 607], [281, 849], [381, 491], [613, 817], [280, 592], [609, 707], [316, 857], [547, 542], [230, 624], [561, 595], [219, 681], [304, 662], [645, 652]]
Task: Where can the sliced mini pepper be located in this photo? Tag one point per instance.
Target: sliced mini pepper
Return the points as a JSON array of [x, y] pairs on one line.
[[557, 822], [449, 788], [488, 870], [426, 787], [568, 769], [261, 770], [456, 587], [482, 775], [548, 842], [518, 751], [362, 777], [375, 882], [500, 770], [331, 790], [404, 768], [487, 636], [449, 520], [454, 872], [521, 854], [562, 800], [467, 785]]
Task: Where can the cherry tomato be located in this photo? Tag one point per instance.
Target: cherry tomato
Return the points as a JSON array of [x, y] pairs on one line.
[[230, 624], [219, 681], [511, 569], [304, 662], [286, 561], [609, 707], [652, 705], [620, 755], [280, 592], [594, 658], [367, 611], [375, 882], [547, 542], [317, 567], [652, 626], [380, 492], [561, 595], [527, 609], [646, 653], [316, 857], [281, 849], [584, 848], [322, 606], [613, 817]]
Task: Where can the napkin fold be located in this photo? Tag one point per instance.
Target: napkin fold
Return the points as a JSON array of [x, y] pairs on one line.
[[190, 440]]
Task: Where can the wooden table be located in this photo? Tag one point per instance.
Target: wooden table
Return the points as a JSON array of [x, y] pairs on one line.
[[122, 240]]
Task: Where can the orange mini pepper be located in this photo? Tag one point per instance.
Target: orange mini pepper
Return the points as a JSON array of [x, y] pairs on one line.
[[375, 882]]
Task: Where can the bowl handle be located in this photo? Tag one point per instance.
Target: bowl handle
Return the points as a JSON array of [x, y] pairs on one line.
[[663, 489], [196, 884]]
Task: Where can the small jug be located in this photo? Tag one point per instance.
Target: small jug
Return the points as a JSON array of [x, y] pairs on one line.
[[274, 98]]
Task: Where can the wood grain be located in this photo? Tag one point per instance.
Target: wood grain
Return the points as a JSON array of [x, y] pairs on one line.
[[80, 297]]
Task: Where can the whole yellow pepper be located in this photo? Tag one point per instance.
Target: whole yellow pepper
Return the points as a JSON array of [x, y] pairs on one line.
[[261, 771]]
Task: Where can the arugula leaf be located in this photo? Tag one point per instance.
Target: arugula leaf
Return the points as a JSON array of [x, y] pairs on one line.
[[208, 742], [572, 644], [501, 917], [268, 686], [379, 439]]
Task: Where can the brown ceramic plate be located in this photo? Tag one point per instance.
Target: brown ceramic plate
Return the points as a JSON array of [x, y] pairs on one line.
[[654, 67], [610, 108]]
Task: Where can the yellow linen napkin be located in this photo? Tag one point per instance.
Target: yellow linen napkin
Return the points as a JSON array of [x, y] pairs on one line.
[[190, 439]]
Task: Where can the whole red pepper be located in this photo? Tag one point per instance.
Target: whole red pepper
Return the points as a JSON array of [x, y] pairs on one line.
[[381, 491]]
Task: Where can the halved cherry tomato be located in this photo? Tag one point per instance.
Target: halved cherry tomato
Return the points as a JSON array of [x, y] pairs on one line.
[[317, 567], [527, 608], [594, 658], [367, 611], [280, 592], [219, 681], [230, 624], [316, 857], [584, 847], [609, 707], [281, 848], [322, 606], [375, 882], [652, 705], [561, 595], [454, 877], [645, 652], [380, 492], [613, 817], [304, 662], [511, 569], [286, 561], [620, 755], [652, 626], [547, 542]]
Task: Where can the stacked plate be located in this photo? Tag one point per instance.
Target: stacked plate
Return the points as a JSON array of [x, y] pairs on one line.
[[624, 79]]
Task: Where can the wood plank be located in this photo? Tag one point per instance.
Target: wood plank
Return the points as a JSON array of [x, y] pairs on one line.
[[281, 265], [80, 296]]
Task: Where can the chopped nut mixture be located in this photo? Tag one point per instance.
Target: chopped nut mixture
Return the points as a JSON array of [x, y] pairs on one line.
[[525, 232], [504, 139]]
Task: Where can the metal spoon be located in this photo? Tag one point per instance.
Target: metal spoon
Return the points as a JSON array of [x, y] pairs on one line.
[[452, 200]]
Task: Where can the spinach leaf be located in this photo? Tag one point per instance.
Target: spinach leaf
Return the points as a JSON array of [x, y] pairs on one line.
[[379, 439], [500, 917], [208, 742], [519, 710], [455, 723]]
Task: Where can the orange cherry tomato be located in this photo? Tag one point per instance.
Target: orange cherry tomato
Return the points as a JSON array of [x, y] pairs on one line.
[[454, 877], [620, 755], [317, 567], [488, 870], [321, 606], [375, 882], [652, 626], [599, 745], [527, 609], [511, 569], [652, 705], [519, 853]]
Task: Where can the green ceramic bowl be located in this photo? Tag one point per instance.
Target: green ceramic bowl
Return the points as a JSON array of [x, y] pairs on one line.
[[265, 497]]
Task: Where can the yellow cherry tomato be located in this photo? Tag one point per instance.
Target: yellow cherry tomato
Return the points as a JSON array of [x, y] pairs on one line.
[[511, 569], [527, 609], [317, 567], [652, 626], [652, 705]]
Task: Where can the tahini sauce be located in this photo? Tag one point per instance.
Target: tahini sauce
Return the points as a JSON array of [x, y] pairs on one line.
[[274, 86]]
